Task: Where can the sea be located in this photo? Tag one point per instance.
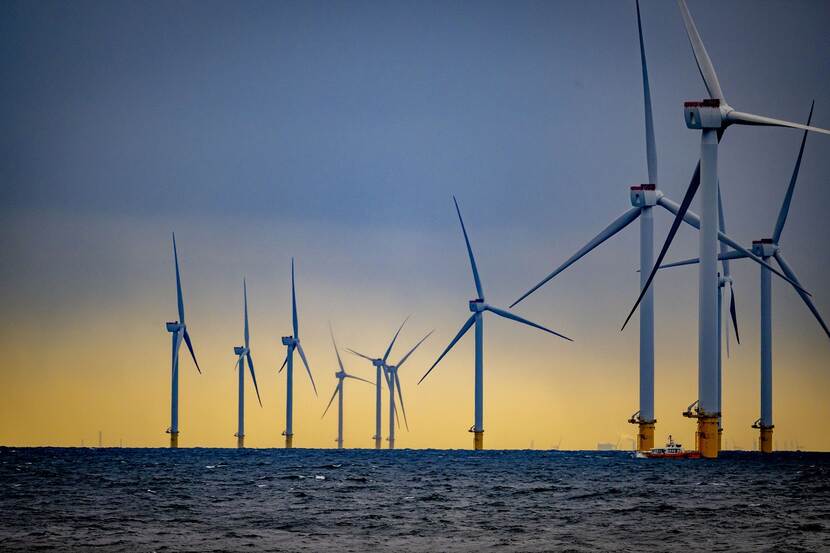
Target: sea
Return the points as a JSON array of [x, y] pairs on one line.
[[118, 499]]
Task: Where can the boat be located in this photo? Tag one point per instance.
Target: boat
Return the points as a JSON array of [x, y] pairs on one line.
[[673, 450]]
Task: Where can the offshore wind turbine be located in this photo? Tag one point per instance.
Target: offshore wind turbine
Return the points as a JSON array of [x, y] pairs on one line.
[[341, 375], [178, 332], [394, 383], [478, 307], [380, 373], [711, 116], [243, 353], [643, 198], [293, 343], [768, 249]]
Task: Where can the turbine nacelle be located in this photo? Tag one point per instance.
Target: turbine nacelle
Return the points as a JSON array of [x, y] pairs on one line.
[[764, 247], [174, 326], [478, 306], [645, 195], [289, 341], [706, 114], [240, 350]]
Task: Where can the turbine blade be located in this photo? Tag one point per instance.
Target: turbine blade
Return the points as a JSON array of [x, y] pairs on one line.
[[405, 357], [786, 268], [294, 322], [728, 255], [400, 397], [358, 378], [704, 64], [651, 147], [733, 312], [479, 291], [336, 389], [722, 225], [253, 377], [392, 343], [687, 200], [514, 317], [190, 347], [179, 300], [284, 362], [785, 207], [467, 325], [336, 351], [616, 226], [693, 220], [727, 335], [305, 362], [245, 295], [360, 354], [742, 118]]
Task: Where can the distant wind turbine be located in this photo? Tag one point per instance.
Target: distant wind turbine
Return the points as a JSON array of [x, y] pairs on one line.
[[380, 372], [711, 116], [478, 307], [178, 331], [341, 375], [291, 343], [244, 353], [394, 383]]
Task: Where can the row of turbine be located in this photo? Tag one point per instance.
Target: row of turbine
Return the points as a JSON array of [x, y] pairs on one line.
[[711, 116], [389, 372]]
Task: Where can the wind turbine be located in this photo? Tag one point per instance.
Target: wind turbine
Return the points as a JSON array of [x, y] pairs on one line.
[[711, 116], [768, 248], [341, 375], [394, 383], [178, 332], [380, 372], [291, 343], [243, 353], [478, 307], [643, 198]]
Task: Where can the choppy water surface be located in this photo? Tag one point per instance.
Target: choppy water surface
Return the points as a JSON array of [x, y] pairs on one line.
[[359, 500]]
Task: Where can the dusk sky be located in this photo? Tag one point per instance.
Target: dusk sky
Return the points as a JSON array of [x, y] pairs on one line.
[[337, 133]]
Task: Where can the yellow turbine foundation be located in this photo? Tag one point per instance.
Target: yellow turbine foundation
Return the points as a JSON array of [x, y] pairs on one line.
[[174, 440], [706, 436], [240, 442], [289, 441], [478, 440], [765, 443], [645, 437], [720, 439]]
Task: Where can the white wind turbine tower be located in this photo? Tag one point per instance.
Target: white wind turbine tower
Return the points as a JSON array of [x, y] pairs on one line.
[[394, 383], [711, 116], [291, 343], [380, 372], [341, 375], [478, 307], [243, 353], [643, 198], [768, 248], [178, 331]]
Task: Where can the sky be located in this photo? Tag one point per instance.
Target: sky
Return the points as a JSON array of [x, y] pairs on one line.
[[337, 133]]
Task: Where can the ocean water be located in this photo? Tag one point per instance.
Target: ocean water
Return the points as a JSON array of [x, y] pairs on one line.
[[363, 500]]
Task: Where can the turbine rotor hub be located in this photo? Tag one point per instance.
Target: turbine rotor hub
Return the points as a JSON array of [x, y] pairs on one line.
[[764, 248], [706, 114], [645, 195], [477, 306]]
